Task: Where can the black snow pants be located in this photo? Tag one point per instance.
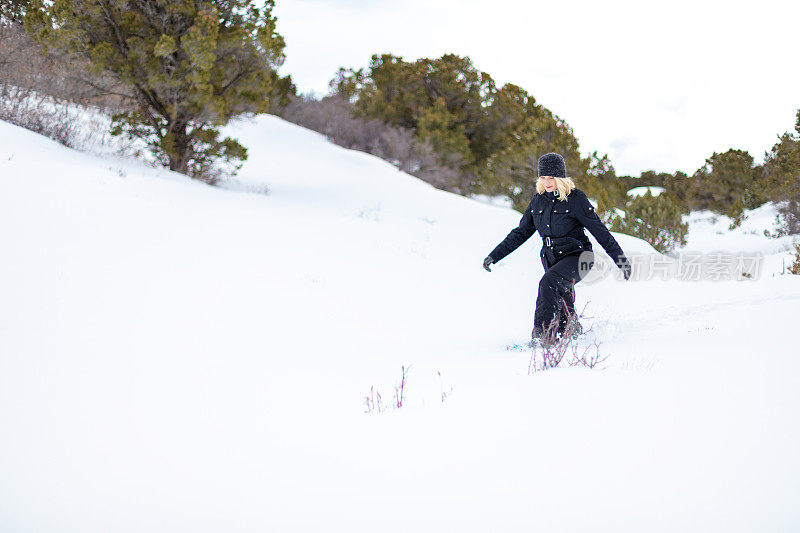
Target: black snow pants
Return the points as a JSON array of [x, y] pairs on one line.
[[557, 288]]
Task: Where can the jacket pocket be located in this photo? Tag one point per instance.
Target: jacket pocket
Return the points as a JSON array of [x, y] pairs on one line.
[[561, 221], [570, 246]]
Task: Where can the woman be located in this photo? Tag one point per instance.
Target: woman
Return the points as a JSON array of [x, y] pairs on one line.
[[560, 212]]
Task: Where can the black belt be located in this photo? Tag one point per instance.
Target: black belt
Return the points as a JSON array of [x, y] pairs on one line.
[[554, 241]]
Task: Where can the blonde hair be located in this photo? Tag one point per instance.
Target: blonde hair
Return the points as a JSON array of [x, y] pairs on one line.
[[564, 186]]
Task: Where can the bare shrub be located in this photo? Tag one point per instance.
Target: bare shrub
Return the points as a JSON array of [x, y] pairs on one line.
[[44, 116], [70, 124], [788, 220], [399, 389], [47, 93], [444, 393], [555, 347], [550, 349], [589, 357], [25, 66], [373, 401]]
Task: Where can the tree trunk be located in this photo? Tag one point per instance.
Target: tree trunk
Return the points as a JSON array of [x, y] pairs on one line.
[[179, 156]]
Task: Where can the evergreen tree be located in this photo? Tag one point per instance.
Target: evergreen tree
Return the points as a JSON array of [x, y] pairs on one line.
[[679, 186], [724, 182], [190, 66], [655, 219], [782, 170], [514, 169], [794, 268], [602, 184], [442, 100], [437, 125], [492, 136]]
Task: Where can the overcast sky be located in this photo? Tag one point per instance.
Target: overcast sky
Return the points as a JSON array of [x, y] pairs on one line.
[[655, 85]]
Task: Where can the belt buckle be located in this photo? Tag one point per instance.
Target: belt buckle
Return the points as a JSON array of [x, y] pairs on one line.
[[548, 242]]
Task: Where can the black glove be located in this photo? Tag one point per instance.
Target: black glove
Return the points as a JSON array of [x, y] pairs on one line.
[[487, 263], [626, 270]]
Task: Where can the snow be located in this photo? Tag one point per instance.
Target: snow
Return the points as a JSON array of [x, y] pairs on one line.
[[711, 232], [641, 191], [501, 201], [177, 357]]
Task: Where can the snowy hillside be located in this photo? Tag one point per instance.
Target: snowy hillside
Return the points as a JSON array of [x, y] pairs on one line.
[[177, 357]]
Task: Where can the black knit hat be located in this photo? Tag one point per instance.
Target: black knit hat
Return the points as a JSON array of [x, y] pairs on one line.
[[552, 165]]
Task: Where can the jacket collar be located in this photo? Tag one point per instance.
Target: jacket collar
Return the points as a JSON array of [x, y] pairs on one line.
[[552, 195]]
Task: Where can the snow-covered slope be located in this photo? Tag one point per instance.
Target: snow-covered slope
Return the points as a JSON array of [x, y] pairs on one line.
[[176, 357]]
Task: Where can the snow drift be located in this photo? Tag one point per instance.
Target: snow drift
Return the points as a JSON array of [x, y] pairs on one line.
[[176, 357]]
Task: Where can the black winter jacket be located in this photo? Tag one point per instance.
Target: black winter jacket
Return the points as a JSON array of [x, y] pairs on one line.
[[560, 223]]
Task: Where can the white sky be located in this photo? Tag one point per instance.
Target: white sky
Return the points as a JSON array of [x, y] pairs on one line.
[[655, 85]]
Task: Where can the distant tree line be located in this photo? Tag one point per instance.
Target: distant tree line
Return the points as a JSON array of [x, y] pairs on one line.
[[730, 183], [448, 123], [459, 130]]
